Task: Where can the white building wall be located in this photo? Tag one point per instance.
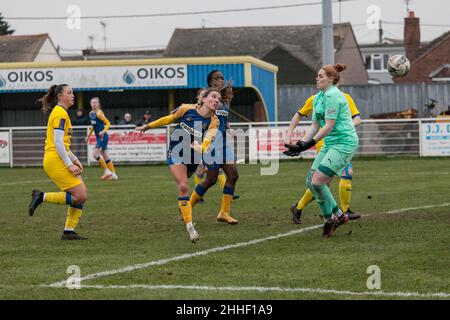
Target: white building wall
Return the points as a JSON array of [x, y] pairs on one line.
[[47, 53]]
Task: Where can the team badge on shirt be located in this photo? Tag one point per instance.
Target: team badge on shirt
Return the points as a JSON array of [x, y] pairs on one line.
[[62, 124]]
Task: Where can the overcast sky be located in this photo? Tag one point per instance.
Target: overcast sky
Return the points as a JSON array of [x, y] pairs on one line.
[[155, 32]]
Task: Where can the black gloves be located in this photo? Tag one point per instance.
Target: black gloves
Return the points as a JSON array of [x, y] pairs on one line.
[[291, 153], [295, 149]]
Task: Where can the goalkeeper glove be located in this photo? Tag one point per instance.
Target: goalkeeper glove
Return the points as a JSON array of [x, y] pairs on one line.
[[295, 149], [291, 153]]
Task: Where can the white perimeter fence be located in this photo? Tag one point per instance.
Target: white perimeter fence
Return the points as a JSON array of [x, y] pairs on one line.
[[24, 146]]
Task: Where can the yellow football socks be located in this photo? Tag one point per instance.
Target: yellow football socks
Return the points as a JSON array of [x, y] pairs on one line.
[[196, 195], [197, 179], [226, 203], [110, 165], [73, 216], [102, 163], [306, 199], [186, 209], [227, 199], [58, 197], [345, 193]]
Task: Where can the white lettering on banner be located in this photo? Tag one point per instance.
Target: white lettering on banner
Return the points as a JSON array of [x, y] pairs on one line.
[[435, 138], [94, 77], [133, 146], [4, 147], [268, 143]]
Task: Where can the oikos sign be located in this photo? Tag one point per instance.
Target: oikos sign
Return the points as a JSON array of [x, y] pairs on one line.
[[10, 79], [30, 76], [97, 77]]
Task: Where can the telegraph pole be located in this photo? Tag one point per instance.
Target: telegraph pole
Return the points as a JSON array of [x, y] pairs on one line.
[[327, 33], [340, 5], [380, 31], [104, 34]]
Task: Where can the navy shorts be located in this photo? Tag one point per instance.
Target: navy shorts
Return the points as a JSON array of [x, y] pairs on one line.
[[102, 143], [189, 162], [225, 156]]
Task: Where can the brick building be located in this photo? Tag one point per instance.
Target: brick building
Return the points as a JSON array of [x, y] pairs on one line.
[[430, 62]]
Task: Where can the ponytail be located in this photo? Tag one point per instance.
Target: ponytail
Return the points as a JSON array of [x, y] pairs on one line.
[[50, 99]]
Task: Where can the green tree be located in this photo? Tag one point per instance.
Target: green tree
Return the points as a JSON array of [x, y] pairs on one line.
[[5, 28]]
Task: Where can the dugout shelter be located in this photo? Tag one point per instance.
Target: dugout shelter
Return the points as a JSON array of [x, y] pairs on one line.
[[134, 86]]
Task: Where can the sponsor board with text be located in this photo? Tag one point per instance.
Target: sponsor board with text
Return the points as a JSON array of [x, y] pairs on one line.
[[4, 147], [98, 77], [268, 143], [435, 139], [133, 146]]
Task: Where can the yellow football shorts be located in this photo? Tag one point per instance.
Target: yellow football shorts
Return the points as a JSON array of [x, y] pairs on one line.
[[56, 170]]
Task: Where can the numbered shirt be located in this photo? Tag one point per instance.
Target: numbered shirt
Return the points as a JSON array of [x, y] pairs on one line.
[[333, 105], [59, 119]]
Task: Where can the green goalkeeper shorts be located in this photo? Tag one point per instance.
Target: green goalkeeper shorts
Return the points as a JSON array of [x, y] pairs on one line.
[[332, 160]]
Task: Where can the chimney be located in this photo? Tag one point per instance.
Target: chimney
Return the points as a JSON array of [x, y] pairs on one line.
[[411, 36]]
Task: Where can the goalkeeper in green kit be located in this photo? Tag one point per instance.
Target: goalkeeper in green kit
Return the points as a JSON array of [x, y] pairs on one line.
[[332, 122]]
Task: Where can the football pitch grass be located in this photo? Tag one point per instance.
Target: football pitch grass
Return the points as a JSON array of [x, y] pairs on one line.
[[138, 247]]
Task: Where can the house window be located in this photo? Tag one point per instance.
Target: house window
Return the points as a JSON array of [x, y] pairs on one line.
[[368, 61], [376, 61], [385, 61]]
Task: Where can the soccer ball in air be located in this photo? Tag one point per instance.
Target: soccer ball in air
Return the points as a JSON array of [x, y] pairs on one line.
[[398, 66]]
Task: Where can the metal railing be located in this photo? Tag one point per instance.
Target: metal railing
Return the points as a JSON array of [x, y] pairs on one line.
[[376, 138]]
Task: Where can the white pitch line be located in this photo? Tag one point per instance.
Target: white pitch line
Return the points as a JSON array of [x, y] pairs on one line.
[[446, 204], [220, 249], [23, 182], [273, 289], [187, 256]]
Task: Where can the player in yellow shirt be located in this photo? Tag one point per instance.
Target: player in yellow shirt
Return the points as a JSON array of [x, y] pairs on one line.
[[100, 125], [196, 122], [60, 164], [345, 184]]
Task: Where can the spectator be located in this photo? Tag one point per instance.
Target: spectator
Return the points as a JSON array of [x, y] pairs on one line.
[[146, 119], [126, 119], [81, 119]]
